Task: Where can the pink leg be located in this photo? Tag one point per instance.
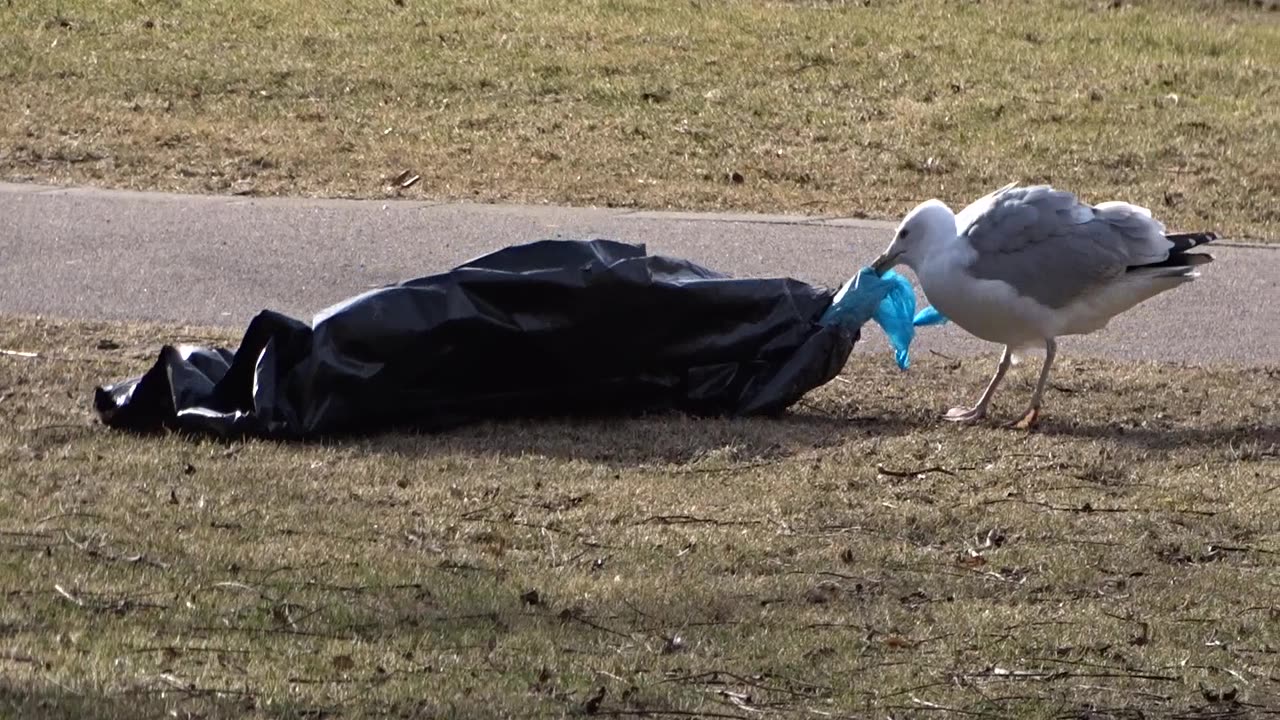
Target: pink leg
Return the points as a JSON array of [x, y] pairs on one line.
[[979, 411]]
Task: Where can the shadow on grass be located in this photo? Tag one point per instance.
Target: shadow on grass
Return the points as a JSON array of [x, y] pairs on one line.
[[1249, 439], [48, 701], [667, 438]]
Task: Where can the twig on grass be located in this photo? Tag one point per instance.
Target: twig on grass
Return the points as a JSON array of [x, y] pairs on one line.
[[567, 615], [272, 631], [1241, 548], [1083, 541], [27, 355], [926, 705], [63, 592], [324, 681], [23, 533], [97, 552], [692, 520], [831, 573], [21, 657], [669, 713], [944, 357], [310, 583], [914, 688], [732, 468], [521, 523], [188, 649], [916, 473], [467, 567], [1089, 508], [1127, 691], [59, 426], [117, 606], [74, 513], [714, 677], [1118, 672], [190, 689]]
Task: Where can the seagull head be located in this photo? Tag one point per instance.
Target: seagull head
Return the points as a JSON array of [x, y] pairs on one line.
[[928, 225]]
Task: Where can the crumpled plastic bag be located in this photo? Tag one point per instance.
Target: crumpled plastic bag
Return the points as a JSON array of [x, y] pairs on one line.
[[929, 316], [887, 299], [545, 328]]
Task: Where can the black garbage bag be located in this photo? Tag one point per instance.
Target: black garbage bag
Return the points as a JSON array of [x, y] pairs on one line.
[[553, 327]]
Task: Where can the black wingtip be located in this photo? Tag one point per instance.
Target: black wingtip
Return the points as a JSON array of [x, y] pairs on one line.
[[1185, 241], [1177, 260]]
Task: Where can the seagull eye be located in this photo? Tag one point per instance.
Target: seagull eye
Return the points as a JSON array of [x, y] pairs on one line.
[[903, 234]]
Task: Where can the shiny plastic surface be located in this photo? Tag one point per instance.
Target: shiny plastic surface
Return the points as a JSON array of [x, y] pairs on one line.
[[930, 316], [888, 299], [546, 328]]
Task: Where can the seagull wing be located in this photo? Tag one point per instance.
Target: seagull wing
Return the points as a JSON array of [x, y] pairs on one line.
[[1054, 249]]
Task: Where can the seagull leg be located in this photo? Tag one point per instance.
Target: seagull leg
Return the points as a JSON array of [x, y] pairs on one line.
[[979, 411], [1032, 415]]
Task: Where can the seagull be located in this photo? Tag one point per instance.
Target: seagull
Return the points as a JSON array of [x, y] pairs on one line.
[[1025, 265]]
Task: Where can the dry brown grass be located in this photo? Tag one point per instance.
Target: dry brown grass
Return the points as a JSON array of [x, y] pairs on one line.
[[856, 558], [861, 108]]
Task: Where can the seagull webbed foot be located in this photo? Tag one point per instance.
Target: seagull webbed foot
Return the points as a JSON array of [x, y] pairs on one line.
[[965, 415], [1028, 420]]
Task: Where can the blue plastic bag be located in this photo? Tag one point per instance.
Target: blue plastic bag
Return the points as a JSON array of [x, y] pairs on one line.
[[888, 299], [929, 316]]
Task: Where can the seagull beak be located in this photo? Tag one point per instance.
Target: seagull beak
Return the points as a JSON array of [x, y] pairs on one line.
[[884, 262]]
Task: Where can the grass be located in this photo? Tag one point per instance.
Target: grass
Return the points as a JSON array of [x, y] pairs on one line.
[[846, 108], [856, 558]]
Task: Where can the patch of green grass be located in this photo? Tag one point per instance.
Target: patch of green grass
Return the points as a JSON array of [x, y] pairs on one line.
[[857, 557], [821, 107]]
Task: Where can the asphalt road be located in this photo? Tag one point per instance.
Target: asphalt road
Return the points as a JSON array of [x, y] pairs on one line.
[[110, 255]]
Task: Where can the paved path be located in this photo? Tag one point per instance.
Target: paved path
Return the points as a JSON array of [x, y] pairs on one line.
[[85, 253]]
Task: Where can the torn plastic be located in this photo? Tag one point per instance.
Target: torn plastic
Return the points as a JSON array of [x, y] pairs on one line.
[[929, 316], [545, 328], [888, 299]]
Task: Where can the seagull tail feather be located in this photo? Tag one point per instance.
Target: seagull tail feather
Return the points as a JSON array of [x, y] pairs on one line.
[[1185, 241], [1180, 262]]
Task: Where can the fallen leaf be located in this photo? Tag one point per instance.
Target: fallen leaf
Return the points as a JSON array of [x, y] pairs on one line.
[[897, 641]]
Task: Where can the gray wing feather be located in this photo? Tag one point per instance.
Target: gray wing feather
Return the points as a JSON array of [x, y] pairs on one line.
[[1053, 248], [966, 216]]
